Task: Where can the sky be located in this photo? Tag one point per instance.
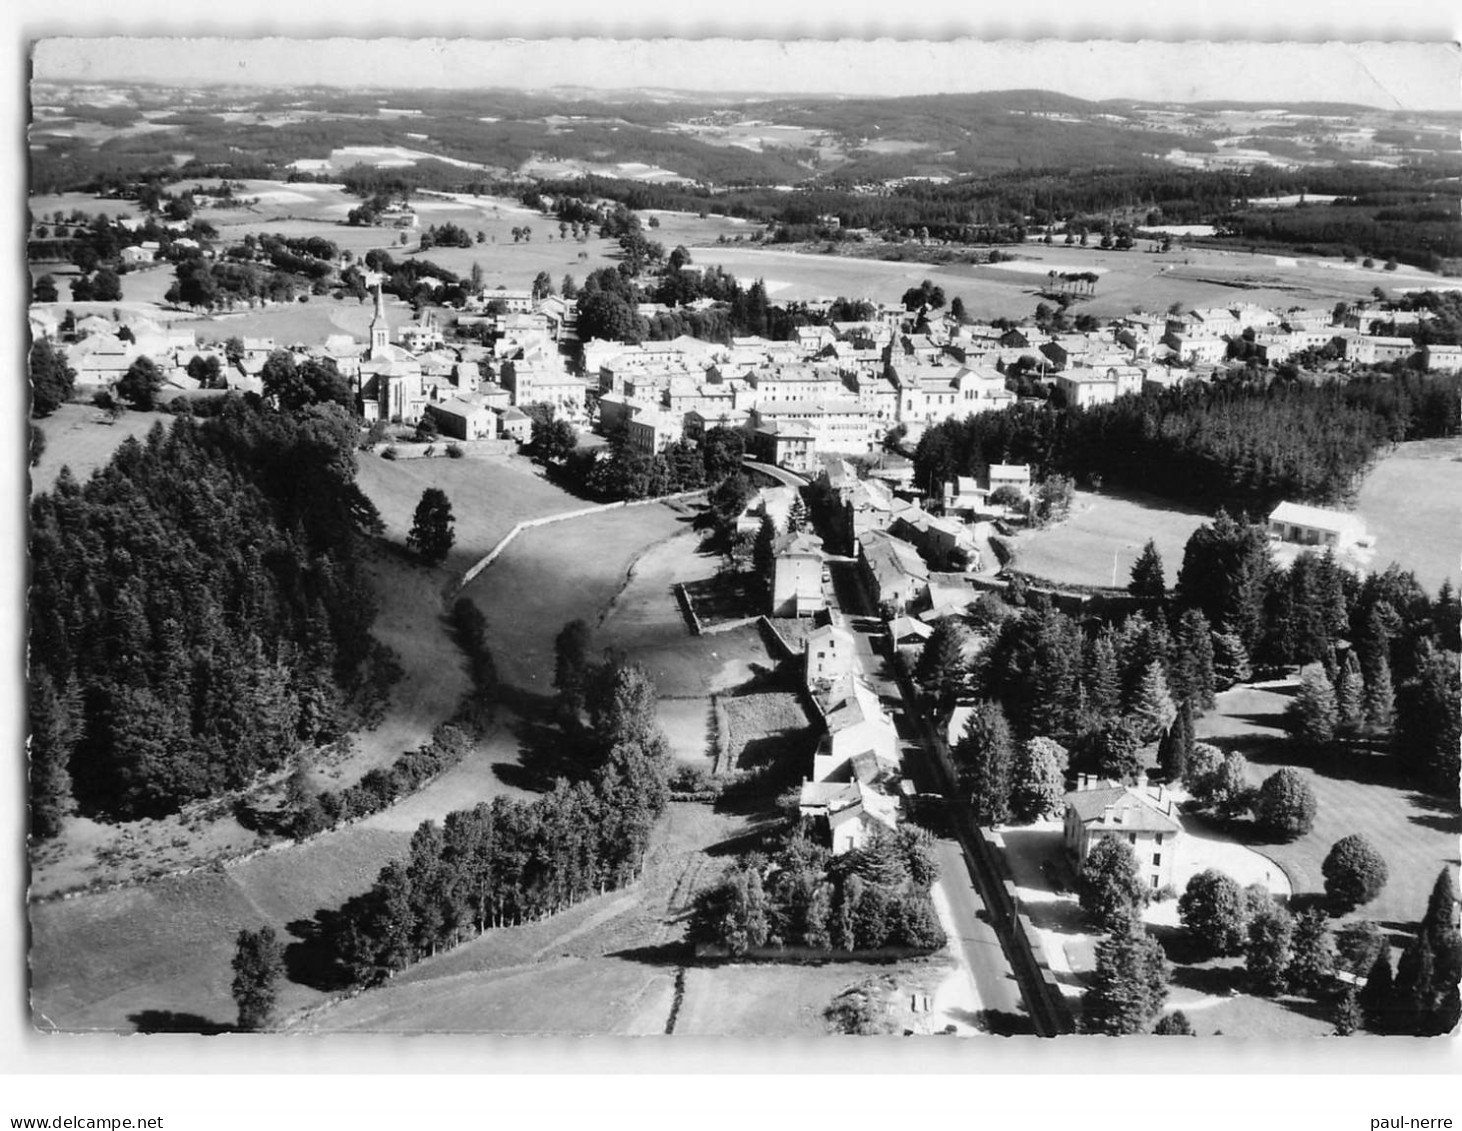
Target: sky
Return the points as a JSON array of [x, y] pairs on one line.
[[1243, 50]]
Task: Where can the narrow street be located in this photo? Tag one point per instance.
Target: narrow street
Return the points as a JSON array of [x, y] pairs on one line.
[[974, 939]]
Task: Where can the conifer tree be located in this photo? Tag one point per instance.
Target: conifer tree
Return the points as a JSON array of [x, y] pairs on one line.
[[1380, 700], [1441, 907], [1152, 706], [1230, 659], [1312, 953], [1130, 982], [54, 730], [1148, 580], [1177, 744], [1192, 673], [432, 531], [1100, 677], [1349, 693], [1267, 956], [1377, 995], [941, 669], [1313, 710], [984, 756], [1347, 1016]]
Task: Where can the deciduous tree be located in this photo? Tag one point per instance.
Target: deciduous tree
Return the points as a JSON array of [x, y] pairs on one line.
[[258, 966], [1285, 806], [1110, 885], [1215, 913], [1354, 872]]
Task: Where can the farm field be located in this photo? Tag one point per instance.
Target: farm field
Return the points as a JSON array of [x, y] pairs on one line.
[[1197, 278], [1416, 832], [82, 438], [1412, 504], [765, 727], [1103, 536]]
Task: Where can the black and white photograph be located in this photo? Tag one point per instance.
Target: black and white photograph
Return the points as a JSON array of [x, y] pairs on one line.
[[731, 538]]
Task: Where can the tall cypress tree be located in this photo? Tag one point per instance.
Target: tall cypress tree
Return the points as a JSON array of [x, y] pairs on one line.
[[1192, 676], [1177, 744], [1380, 698]]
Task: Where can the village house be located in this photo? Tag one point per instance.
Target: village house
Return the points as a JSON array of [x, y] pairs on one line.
[[860, 742], [797, 577], [847, 813], [1442, 359], [1145, 817], [1016, 476], [1373, 350], [896, 574], [545, 384], [1083, 388], [840, 425], [653, 430], [785, 445], [1315, 526], [464, 418], [829, 652]]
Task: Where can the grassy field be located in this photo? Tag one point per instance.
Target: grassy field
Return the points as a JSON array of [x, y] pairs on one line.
[[1415, 832], [1412, 504], [83, 438], [488, 496], [1104, 535], [607, 966], [554, 574]]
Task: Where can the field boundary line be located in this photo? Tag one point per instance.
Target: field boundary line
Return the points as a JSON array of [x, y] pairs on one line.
[[471, 573]]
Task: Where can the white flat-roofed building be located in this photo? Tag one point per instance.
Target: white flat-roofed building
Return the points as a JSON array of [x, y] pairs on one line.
[[1315, 526]]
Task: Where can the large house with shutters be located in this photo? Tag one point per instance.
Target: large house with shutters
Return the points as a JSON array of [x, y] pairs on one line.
[[1144, 816]]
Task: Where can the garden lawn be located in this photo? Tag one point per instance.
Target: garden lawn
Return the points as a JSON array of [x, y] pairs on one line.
[[1415, 832], [1103, 536]]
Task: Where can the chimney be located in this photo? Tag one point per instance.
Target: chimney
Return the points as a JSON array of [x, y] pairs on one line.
[[1085, 782], [1108, 818], [1141, 782]]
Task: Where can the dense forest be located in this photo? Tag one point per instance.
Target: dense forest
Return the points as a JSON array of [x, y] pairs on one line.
[[1236, 444], [198, 612]]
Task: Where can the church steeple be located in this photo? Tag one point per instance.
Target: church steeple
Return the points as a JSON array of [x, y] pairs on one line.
[[380, 331]]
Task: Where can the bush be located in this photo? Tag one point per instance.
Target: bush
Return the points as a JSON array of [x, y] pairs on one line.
[[1354, 872], [454, 451], [389, 452]]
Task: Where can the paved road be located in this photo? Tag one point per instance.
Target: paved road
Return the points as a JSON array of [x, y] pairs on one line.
[[979, 946], [975, 940]]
